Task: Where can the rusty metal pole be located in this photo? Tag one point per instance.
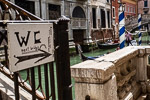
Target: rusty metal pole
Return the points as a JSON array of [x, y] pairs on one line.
[[62, 59]]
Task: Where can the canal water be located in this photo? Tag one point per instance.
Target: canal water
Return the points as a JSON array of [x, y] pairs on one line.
[[76, 59]]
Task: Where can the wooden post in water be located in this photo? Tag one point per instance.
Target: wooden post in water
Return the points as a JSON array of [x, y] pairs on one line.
[[62, 59]]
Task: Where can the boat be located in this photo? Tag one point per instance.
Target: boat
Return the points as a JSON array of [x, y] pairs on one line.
[[107, 45], [83, 57]]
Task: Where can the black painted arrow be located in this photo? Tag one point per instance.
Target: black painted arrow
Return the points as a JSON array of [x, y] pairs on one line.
[[29, 57]]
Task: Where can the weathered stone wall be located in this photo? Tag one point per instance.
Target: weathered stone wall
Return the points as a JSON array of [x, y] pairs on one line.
[[118, 75]]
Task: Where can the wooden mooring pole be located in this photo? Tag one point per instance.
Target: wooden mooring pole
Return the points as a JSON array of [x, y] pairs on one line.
[[62, 59]]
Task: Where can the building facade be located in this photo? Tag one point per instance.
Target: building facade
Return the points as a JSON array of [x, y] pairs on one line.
[[101, 22], [130, 8], [87, 17], [115, 17], [144, 6], [115, 11]]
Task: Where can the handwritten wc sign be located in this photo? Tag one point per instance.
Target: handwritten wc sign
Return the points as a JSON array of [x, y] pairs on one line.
[[29, 44]]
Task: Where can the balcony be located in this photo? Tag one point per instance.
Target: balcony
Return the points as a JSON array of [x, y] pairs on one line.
[[145, 9], [79, 23]]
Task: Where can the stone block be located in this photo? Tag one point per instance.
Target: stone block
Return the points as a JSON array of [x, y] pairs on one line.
[[148, 88], [141, 68], [133, 94], [143, 85], [142, 52], [92, 77], [142, 97], [147, 49], [92, 72], [121, 93], [136, 91], [129, 96], [105, 91]]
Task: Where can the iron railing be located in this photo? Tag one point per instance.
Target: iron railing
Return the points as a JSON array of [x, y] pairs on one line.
[[45, 85]]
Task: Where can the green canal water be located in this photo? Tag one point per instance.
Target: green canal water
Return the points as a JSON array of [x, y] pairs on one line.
[[76, 59], [73, 60]]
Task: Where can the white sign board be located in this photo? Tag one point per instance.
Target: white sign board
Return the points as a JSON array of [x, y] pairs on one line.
[[29, 45]]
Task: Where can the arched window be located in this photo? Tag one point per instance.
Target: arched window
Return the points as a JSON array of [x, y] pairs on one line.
[[78, 12]]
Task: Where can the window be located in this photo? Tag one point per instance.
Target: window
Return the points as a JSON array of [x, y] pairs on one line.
[[131, 9], [145, 3], [128, 9], [54, 11], [134, 10], [125, 8], [113, 11], [108, 18], [78, 12], [103, 22], [94, 17]]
